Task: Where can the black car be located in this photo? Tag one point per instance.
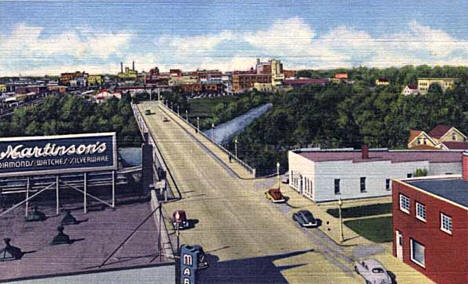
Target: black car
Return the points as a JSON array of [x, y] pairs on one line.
[[305, 218]]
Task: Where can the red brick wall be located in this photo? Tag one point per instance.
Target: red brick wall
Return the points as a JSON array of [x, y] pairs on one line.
[[446, 256]]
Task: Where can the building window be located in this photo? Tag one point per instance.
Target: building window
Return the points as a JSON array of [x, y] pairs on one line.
[[446, 223], [417, 253], [420, 211], [454, 137], [337, 186], [404, 203], [363, 184], [388, 184], [409, 175]]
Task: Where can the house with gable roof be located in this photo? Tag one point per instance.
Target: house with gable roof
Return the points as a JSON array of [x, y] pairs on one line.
[[442, 137]]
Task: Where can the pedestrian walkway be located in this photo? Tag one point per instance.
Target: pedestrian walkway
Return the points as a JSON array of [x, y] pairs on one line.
[[220, 155]]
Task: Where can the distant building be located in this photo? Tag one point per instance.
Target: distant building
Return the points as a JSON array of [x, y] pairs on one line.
[[129, 74], [244, 81], [65, 78], [444, 83], [3, 88], [296, 83], [103, 95], [324, 175], [175, 73], [277, 75], [410, 90], [442, 137], [341, 76], [289, 74], [430, 217], [95, 80], [382, 82]]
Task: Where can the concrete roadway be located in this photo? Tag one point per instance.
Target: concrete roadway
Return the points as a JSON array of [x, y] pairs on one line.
[[247, 239]]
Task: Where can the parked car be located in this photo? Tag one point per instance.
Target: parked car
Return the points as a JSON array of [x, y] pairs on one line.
[[372, 271], [285, 178], [202, 263], [179, 220], [147, 112], [275, 195], [305, 218]]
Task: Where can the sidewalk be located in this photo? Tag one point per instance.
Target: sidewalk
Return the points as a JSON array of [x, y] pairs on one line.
[[220, 155]]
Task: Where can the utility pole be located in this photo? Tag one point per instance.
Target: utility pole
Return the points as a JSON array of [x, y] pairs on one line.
[[277, 173], [235, 147], [340, 203]]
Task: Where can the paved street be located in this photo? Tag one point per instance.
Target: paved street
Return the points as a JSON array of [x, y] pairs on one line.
[[249, 240]]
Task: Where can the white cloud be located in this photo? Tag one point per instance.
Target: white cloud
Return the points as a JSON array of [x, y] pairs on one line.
[[26, 41], [292, 40]]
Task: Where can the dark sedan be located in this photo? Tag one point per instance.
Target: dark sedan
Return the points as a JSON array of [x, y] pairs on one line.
[[305, 218]]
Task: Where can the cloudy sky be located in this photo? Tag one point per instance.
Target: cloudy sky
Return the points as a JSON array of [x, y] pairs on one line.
[[50, 37]]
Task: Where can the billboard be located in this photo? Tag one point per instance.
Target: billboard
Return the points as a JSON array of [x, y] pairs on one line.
[[39, 155]]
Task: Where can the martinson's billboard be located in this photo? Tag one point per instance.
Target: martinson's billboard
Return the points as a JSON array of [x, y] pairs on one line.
[[39, 155]]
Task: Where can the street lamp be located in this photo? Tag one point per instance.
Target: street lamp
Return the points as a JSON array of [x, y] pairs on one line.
[[235, 147], [186, 115], [198, 124], [212, 131], [340, 203], [178, 110], [277, 173]]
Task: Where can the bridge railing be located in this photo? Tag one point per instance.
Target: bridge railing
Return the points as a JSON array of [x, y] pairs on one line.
[[229, 153], [157, 156]]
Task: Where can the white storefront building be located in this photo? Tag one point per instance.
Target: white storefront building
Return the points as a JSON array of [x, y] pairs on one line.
[[324, 175]]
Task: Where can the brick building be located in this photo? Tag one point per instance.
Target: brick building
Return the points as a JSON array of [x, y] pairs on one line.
[[430, 225], [243, 81]]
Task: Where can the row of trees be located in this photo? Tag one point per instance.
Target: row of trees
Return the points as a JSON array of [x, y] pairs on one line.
[[72, 114]]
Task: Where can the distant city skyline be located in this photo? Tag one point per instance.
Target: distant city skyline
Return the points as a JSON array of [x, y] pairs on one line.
[[50, 37]]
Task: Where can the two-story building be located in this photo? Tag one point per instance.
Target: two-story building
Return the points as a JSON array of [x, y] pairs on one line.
[[430, 225], [425, 83], [324, 175], [443, 137], [410, 90]]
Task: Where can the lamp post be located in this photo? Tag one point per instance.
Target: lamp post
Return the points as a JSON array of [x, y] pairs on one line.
[[212, 131], [178, 110], [277, 173], [340, 203], [186, 115], [159, 93], [235, 147], [198, 124]]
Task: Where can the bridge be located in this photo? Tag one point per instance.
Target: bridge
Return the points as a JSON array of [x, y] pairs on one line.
[[247, 238]]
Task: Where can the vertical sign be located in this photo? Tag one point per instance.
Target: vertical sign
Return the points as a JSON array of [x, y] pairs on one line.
[[188, 264]]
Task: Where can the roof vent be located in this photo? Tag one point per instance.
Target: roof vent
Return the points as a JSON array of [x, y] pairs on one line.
[[69, 219], [36, 215], [61, 237], [10, 252]]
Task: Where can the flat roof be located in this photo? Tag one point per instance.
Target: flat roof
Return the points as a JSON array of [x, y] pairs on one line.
[[452, 189], [394, 156], [96, 237]]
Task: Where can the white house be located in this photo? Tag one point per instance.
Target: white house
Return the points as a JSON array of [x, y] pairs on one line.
[[410, 90], [103, 95], [324, 175]]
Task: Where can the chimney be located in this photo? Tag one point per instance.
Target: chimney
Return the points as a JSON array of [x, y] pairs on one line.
[[133, 65], [121, 67], [365, 151], [465, 166]]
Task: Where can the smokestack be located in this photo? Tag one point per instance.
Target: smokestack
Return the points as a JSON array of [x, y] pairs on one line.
[[133, 65], [121, 67], [465, 166], [365, 151]]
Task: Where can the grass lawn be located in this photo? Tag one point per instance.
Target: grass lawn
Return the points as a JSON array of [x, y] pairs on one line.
[[377, 230], [203, 107], [361, 211]]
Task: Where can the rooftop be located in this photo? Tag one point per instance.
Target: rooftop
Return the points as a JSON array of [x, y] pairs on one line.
[[439, 131], [452, 189], [98, 234], [394, 156]]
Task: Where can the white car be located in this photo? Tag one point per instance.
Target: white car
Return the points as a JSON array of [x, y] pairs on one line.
[[372, 271], [285, 178]]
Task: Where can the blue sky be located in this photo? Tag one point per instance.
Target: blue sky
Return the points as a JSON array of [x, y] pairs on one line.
[[52, 36]]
